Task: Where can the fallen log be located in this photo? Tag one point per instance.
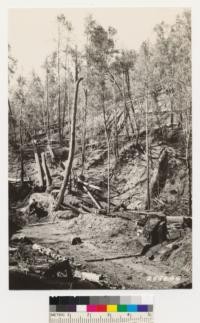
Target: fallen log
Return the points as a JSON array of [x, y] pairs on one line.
[[169, 218], [179, 219], [48, 252], [114, 258], [151, 214], [41, 224], [64, 263], [92, 277], [92, 197], [89, 185]]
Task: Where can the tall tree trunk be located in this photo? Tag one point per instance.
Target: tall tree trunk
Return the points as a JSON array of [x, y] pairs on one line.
[[189, 186], [155, 98], [38, 165], [148, 200], [187, 157], [43, 113], [21, 148], [64, 112], [46, 171], [47, 103], [76, 64], [84, 130], [132, 107], [172, 112], [116, 144], [126, 110], [65, 103], [71, 150], [48, 116], [12, 121], [108, 150], [108, 197], [59, 94]]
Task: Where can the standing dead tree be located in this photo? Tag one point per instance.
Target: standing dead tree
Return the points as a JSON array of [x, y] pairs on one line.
[[46, 171], [126, 109], [188, 137], [38, 165], [84, 129], [58, 75], [148, 200], [12, 122], [71, 150], [21, 144], [107, 135], [127, 79]]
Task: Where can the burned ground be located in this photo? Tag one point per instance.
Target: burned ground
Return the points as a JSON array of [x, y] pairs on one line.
[[127, 248]]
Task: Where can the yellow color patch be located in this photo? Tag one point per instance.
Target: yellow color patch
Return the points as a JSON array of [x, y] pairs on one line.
[[111, 308]]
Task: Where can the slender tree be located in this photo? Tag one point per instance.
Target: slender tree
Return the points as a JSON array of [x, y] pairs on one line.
[[71, 150], [85, 110]]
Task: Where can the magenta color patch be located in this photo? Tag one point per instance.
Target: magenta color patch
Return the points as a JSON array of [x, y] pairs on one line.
[[91, 308]]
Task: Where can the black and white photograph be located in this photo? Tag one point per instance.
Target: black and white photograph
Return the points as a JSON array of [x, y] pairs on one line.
[[100, 148]]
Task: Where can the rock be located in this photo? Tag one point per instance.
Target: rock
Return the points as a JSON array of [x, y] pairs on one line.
[[76, 240], [151, 257], [40, 204]]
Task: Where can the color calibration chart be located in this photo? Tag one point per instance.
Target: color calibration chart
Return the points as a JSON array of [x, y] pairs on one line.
[[101, 309]]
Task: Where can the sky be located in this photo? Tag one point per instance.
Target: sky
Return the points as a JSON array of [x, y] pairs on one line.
[[32, 32]]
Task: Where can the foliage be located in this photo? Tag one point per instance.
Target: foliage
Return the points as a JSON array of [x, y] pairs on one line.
[[112, 75]]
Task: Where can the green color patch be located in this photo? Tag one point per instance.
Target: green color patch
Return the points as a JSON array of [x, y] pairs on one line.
[[121, 308]]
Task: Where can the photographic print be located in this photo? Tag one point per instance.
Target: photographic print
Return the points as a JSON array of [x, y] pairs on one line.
[[100, 148]]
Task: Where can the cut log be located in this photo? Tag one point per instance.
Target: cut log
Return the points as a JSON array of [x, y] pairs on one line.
[[92, 277]]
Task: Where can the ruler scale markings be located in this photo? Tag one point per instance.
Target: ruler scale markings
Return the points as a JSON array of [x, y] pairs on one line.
[[102, 318]]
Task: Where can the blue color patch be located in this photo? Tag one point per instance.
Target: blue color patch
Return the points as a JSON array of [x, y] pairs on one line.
[[132, 308]]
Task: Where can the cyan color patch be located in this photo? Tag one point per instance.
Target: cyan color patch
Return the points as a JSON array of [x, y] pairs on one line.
[[132, 308]]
